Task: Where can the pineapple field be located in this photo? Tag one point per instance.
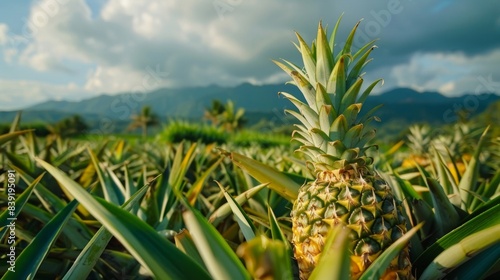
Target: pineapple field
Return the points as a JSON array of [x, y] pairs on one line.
[[329, 202]]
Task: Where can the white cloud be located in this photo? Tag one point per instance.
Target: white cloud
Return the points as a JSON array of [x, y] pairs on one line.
[[9, 55], [40, 61], [18, 94], [451, 73], [3, 33], [447, 88], [190, 41], [118, 79]]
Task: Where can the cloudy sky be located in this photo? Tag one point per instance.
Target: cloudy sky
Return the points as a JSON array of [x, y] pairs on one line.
[[76, 49]]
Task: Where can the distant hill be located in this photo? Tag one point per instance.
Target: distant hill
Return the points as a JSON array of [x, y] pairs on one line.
[[407, 95], [260, 102], [181, 102], [412, 106]]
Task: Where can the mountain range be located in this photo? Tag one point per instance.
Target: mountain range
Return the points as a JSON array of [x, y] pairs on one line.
[[259, 102]]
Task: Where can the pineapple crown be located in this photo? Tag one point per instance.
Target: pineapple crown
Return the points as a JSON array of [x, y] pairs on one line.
[[331, 133]]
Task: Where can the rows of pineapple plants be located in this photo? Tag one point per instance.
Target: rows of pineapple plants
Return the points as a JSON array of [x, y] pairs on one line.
[[109, 210], [118, 173]]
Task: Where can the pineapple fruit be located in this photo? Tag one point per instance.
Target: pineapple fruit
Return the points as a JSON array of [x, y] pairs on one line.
[[346, 189]]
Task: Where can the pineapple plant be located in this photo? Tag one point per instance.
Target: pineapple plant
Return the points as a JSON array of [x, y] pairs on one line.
[[335, 139], [420, 139]]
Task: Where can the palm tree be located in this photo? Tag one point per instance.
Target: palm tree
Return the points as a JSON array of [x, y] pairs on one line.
[[225, 115], [214, 112], [232, 119], [144, 120]]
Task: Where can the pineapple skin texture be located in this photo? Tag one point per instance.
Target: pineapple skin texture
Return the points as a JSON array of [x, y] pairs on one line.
[[364, 205]]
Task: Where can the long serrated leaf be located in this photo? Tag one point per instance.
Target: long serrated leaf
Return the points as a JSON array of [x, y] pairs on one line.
[[197, 187], [377, 268], [278, 182], [350, 96], [407, 188], [89, 256], [459, 253], [288, 69], [324, 59], [367, 91], [180, 167], [219, 258], [147, 246], [323, 99], [351, 113], [335, 261], [116, 181], [369, 116], [309, 113], [479, 266], [130, 186], [8, 215], [469, 179], [338, 129], [30, 259], [308, 59], [302, 120], [353, 136], [364, 48], [224, 210], [75, 230], [276, 232], [483, 208], [118, 150], [334, 34], [68, 154], [4, 138], [15, 123], [445, 214], [482, 221], [142, 241], [164, 195], [246, 226], [336, 82], [111, 192], [423, 214], [350, 38], [184, 241], [355, 72], [305, 86], [325, 119], [48, 199], [446, 180], [493, 186]]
